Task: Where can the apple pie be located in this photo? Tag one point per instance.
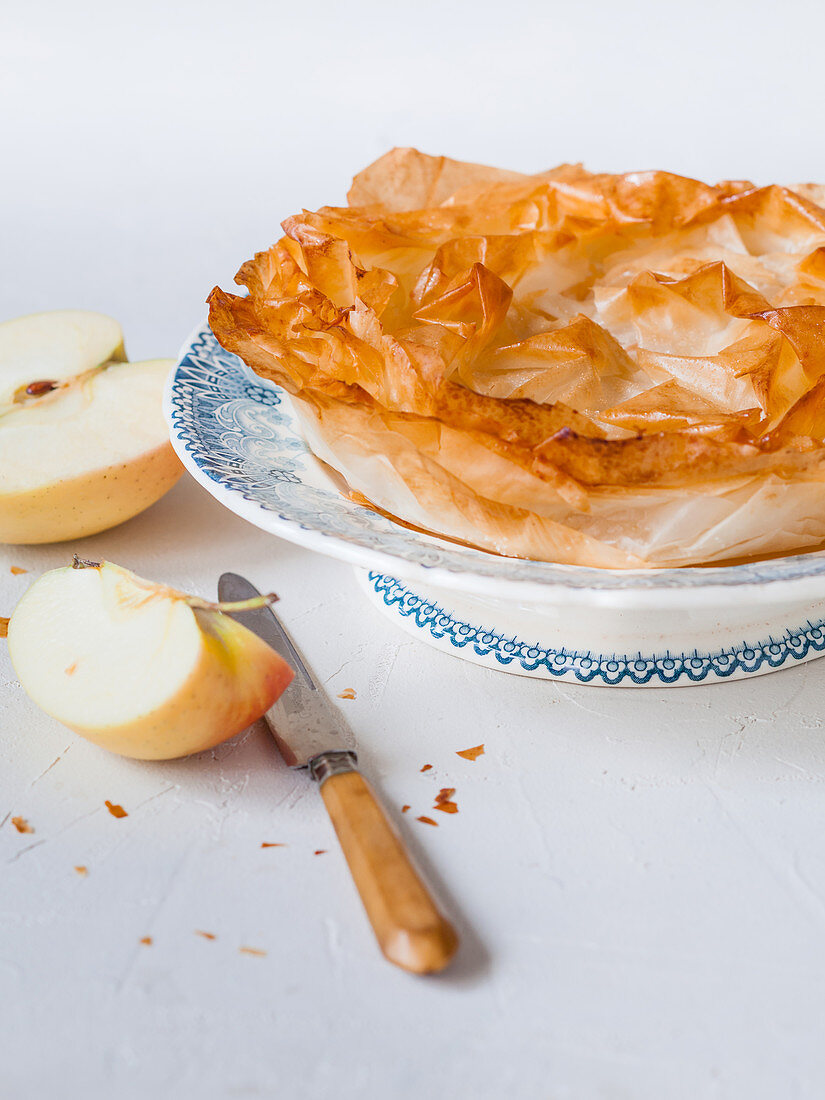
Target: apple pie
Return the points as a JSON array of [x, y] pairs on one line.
[[619, 371]]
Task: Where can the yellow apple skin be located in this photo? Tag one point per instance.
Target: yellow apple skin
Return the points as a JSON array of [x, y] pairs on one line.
[[91, 451], [236, 681], [136, 667], [90, 503]]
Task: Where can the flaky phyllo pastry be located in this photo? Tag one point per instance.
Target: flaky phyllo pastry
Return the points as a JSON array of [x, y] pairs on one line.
[[615, 371]]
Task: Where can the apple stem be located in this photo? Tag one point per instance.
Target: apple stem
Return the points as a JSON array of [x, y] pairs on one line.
[[228, 607], [84, 563], [231, 606]]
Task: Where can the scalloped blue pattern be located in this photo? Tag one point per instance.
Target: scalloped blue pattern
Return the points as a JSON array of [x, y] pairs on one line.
[[240, 433], [612, 669]]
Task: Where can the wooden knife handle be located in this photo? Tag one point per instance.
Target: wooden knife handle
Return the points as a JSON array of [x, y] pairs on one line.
[[410, 930]]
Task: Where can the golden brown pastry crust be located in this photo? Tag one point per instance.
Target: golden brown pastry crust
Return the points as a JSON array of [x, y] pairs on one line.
[[614, 370]]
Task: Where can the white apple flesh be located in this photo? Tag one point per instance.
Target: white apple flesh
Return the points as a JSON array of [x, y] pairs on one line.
[[58, 345], [137, 667], [83, 442]]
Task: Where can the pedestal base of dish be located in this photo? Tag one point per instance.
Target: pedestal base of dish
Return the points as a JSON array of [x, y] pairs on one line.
[[601, 645]]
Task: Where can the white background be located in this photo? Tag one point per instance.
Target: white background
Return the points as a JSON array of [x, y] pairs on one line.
[[147, 149], [639, 877]]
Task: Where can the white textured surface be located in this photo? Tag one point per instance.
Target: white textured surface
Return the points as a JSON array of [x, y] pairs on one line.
[[640, 877]]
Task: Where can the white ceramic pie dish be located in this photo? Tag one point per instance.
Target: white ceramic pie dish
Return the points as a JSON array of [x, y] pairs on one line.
[[238, 437]]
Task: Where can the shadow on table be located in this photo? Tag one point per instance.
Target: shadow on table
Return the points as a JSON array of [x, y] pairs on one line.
[[472, 962]]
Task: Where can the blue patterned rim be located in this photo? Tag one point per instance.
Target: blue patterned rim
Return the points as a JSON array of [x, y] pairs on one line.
[[235, 432], [614, 669]]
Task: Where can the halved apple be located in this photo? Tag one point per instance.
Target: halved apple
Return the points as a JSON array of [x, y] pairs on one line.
[[83, 441], [138, 667]]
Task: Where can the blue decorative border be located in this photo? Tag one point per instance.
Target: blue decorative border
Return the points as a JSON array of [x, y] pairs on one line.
[[237, 431], [612, 669], [241, 434]]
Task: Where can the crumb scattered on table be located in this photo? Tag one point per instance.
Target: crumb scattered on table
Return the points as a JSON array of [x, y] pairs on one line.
[[471, 754], [81, 870], [115, 810], [347, 693], [72, 669], [21, 825], [147, 940], [17, 570], [443, 801], [272, 844], [427, 767], [427, 820], [404, 808], [319, 852], [206, 935], [252, 951], [4, 627]]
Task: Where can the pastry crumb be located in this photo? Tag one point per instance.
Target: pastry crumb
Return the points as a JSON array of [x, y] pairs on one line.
[[206, 935], [347, 693], [427, 820], [4, 627], [17, 570], [147, 940], [427, 767], [115, 810], [471, 754], [252, 951], [319, 852], [272, 844], [21, 825], [404, 808], [72, 669], [443, 801], [82, 871]]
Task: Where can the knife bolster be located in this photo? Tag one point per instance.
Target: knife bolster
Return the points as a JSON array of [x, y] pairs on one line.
[[326, 764]]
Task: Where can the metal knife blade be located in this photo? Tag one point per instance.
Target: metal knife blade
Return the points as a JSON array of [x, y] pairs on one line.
[[303, 721]]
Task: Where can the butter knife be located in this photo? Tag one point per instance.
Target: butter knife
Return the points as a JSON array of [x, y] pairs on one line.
[[311, 733]]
